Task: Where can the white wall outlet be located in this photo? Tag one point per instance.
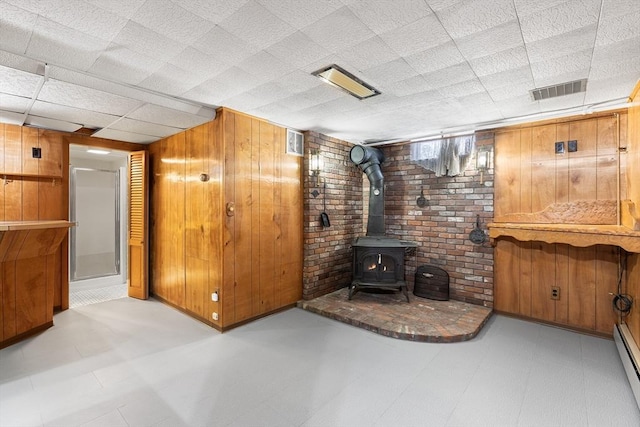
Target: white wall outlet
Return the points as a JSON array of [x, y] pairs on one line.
[[214, 296], [215, 316]]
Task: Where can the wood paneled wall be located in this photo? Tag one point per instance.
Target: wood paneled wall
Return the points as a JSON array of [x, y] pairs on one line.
[[236, 231], [36, 189], [632, 283], [534, 184]]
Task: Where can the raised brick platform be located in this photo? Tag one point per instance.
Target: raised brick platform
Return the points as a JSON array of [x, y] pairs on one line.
[[389, 314]]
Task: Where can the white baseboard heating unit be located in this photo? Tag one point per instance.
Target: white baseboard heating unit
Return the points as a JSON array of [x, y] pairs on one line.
[[630, 356]]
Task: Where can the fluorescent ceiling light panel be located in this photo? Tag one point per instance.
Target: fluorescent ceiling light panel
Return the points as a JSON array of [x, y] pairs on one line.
[[346, 81], [101, 152]]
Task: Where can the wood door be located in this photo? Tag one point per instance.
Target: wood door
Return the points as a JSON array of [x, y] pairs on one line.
[[138, 226]]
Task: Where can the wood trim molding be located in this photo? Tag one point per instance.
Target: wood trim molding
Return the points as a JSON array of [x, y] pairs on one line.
[[574, 235]]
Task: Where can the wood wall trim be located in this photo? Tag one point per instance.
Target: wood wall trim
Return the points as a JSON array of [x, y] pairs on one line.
[[91, 141], [574, 235], [560, 120]]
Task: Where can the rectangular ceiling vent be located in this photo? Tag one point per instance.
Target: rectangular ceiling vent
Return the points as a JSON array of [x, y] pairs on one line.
[[559, 90]]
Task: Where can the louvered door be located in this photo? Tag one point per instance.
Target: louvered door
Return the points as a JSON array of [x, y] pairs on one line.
[[138, 228]]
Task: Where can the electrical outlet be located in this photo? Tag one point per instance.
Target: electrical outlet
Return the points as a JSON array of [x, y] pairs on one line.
[[555, 293], [572, 145], [214, 316], [560, 147]]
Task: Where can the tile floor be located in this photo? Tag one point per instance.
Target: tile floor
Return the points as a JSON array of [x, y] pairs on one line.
[[141, 363]]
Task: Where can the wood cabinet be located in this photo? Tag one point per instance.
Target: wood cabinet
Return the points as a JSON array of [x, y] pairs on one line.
[[557, 221], [226, 219]]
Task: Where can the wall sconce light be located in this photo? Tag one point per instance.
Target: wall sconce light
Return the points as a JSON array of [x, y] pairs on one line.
[[483, 161], [315, 162]]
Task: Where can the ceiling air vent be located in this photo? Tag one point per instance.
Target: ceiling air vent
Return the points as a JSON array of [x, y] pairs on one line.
[[559, 90]]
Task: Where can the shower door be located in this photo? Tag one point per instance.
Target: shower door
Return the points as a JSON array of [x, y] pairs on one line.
[[95, 207]]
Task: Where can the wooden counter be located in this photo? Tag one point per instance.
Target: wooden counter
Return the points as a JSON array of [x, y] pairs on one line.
[[572, 234], [27, 274]]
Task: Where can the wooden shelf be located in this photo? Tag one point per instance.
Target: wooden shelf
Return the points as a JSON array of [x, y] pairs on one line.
[[572, 234], [34, 225], [28, 175]]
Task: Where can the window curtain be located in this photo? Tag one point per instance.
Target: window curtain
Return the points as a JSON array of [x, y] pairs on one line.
[[447, 156]]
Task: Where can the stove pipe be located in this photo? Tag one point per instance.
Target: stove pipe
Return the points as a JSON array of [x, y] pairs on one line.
[[368, 159]]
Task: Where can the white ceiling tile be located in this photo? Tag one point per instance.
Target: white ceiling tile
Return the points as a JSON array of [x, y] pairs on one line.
[[237, 80], [211, 10], [120, 135], [562, 45], [383, 15], [200, 65], [224, 46], [516, 106], [616, 59], [437, 5], [493, 40], [243, 102], [84, 17], [611, 87], [147, 42], [528, 7], [47, 123], [615, 29], [300, 14], [209, 92], [420, 35], [60, 45], [124, 65], [553, 70], [510, 90], [369, 53], [265, 66], [436, 58], [169, 19], [85, 117], [501, 61], [611, 9], [464, 88], [405, 87], [339, 30], [13, 103], [298, 50], [168, 117], [465, 18], [450, 75], [388, 72], [124, 8], [323, 93], [171, 80], [146, 128], [17, 82], [567, 101], [563, 18], [520, 75], [55, 91], [299, 81], [256, 25], [11, 118], [273, 91], [15, 27]]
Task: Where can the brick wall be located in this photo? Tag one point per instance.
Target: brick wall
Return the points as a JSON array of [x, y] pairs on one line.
[[442, 227], [327, 251]]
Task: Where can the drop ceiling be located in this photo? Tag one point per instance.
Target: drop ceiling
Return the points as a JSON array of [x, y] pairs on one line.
[[139, 70]]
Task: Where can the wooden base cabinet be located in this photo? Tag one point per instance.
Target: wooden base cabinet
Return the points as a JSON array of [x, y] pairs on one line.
[[557, 283], [226, 220]]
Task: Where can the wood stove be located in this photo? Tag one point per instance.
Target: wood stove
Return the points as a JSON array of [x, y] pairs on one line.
[[378, 261]]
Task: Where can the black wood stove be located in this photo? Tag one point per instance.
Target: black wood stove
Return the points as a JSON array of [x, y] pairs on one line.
[[378, 261]]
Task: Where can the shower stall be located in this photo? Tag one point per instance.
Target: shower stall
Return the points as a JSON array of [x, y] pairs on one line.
[[97, 244]]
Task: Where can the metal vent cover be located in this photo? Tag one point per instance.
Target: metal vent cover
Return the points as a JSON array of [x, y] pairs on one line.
[[561, 89]]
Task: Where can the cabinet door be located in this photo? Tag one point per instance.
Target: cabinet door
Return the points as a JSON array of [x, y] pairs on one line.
[[50, 144]]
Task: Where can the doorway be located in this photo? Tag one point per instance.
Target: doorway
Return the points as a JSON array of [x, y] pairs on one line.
[[97, 244]]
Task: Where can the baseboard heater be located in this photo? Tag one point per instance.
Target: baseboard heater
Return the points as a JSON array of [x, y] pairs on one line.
[[630, 356]]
